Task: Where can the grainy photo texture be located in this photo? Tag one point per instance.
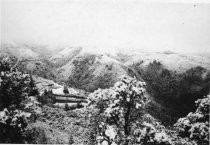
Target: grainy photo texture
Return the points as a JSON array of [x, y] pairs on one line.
[[105, 72]]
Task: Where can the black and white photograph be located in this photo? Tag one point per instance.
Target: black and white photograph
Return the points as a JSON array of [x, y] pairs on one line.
[[105, 72]]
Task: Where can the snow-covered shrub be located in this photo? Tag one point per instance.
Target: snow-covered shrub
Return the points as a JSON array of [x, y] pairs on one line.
[[13, 125], [15, 86], [120, 103], [183, 125], [15, 102], [200, 132], [196, 125], [106, 133], [150, 131]]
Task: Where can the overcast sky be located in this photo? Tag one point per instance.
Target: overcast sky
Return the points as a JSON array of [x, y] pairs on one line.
[[108, 24]]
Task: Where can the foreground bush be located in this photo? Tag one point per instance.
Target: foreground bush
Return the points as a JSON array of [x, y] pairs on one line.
[[16, 106], [13, 126], [36, 135], [196, 125], [120, 106], [149, 134]]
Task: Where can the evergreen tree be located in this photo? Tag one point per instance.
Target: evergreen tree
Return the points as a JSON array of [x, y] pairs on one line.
[[15, 89], [33, 88], [65, 90], [66, 108], [15, 86], [71, 140]]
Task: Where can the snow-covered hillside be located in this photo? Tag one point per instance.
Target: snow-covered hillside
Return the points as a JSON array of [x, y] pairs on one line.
[[92, 67], [172, 61], [19, 51]]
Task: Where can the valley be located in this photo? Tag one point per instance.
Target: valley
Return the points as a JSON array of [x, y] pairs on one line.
[[105, 72], [66, 79], [88, 71]]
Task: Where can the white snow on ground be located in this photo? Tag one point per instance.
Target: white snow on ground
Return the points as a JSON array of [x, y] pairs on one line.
[[27, 52], [98, 50], [106, 59], [64, 53], [20, 52], [59, 91], [63, 104], [66, 70], [43, 84]]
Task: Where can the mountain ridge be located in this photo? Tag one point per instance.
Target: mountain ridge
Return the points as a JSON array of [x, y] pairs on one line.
[[60, 66]]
